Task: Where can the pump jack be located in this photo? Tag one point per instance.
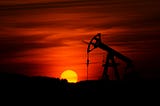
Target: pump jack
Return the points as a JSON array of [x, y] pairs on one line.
[[96, 42]]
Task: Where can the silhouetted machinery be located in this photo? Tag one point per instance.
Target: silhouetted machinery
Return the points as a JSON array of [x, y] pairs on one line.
[[110, 58]]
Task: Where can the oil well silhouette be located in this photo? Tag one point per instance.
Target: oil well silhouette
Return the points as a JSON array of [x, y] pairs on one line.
[[110, 61]]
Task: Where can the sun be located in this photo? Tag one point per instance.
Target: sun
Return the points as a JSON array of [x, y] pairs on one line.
[[70, 75]]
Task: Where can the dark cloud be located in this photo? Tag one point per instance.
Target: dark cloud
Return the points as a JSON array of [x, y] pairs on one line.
[[11, 45], [92, 14], [101, 6], [50, 5], [30, 69], [36, 24]]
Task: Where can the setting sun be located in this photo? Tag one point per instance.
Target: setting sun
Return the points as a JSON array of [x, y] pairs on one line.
[[70, 75]]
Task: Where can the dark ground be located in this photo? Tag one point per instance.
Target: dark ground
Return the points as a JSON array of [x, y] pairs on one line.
[[33, 88]]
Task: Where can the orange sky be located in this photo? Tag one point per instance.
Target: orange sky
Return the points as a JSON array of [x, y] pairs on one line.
[[44, 37]]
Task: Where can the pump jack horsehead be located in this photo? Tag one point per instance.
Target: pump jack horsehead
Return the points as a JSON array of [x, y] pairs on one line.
[[96, 42]]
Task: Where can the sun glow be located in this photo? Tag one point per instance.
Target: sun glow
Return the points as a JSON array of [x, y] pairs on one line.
[[70, 75]]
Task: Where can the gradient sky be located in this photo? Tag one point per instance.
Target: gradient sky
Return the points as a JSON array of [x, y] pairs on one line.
[[44, 37]]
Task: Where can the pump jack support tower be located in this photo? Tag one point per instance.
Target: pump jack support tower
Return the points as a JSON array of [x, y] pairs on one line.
[[110, 58]]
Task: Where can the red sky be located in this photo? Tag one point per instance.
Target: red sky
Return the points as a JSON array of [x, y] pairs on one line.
[[44, 37]]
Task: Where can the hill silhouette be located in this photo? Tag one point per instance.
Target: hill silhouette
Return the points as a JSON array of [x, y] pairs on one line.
[[42, 87]]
